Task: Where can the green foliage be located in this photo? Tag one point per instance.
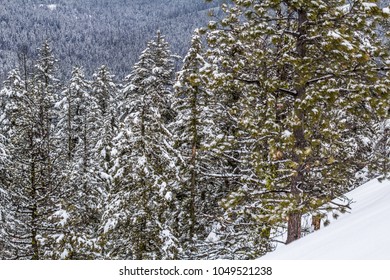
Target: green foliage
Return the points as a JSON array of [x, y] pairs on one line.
[[308, 77]]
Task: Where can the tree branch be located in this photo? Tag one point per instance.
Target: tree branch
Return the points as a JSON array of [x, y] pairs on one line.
[[290, 92], [312, 81]]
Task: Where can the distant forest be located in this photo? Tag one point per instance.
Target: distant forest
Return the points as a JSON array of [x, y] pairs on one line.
[[91, 33]]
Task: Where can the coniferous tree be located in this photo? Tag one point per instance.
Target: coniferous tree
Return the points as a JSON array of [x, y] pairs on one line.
[[10, 107], [307, 72], [78, 112], [189, 127], [139, 220], [199, 138], [34, 175], [105, 92]]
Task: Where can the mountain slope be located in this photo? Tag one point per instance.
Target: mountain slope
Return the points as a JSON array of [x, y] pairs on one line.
[[361, 234]]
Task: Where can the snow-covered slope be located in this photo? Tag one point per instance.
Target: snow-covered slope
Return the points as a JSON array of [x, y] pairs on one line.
[[363, 234]]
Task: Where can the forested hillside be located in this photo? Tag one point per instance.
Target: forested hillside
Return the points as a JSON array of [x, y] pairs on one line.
[[277, 108], [91, 33]]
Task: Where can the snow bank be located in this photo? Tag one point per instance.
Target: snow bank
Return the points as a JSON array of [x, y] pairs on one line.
[[362, 234]]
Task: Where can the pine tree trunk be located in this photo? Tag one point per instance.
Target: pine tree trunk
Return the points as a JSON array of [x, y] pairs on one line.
[[193, 192], [34, 214], [316, 222], [294, 227], [193, 163]]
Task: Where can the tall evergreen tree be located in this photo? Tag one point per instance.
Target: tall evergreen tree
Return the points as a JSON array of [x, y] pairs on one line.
[[140, 212], [78, 111], [105, 92], [199, 138], [34, 175], [308, 71], [188, 129], [13, 87]]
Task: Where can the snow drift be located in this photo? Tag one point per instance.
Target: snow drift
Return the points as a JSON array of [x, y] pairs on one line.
[[362, 234]]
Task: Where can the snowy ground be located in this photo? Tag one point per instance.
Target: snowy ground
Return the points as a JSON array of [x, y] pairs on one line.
[[362, 234]]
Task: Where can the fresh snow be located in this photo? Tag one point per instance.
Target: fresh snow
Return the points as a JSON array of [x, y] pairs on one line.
[[362, 234], [369, 5], [169, 196], [345, 8], [64, 254], [111, 223], [63, 216], [335, 34], [286, 134]]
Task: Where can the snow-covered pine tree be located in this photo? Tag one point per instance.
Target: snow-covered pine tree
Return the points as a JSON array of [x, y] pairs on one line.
[[309, 70], [139, 218], [73, 111], [105, 92], [191, 123], [77, 131], [47, 184], [13, 87], [33, 172], [200, 129], [378, 138], [239, 235]]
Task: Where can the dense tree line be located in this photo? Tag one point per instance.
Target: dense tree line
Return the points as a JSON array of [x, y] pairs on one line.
[[276, 110], [94, 32]]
